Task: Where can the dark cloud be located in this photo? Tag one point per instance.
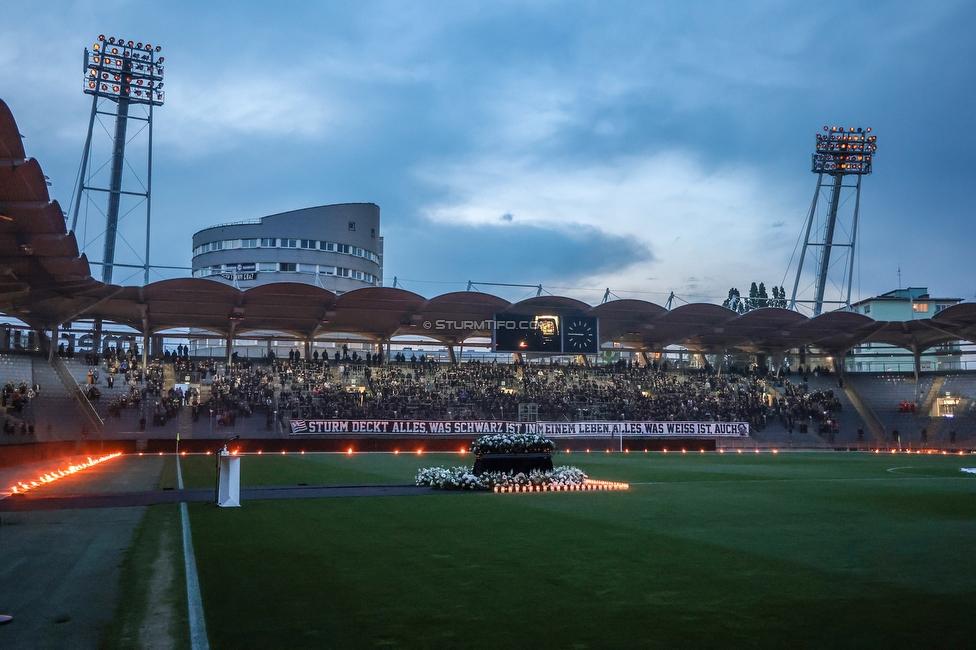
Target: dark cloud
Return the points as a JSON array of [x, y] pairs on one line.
[[509, 253]]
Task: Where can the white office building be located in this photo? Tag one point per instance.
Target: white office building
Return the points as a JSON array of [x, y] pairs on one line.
[[337, 247]]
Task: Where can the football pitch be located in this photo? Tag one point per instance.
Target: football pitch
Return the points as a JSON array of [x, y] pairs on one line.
[[705, 550]]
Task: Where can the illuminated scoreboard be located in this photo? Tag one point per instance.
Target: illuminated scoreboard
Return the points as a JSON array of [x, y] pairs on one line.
[[545, 333], [844, 152]]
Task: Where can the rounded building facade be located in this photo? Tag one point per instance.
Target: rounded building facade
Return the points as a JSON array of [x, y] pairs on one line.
[[337, 247]]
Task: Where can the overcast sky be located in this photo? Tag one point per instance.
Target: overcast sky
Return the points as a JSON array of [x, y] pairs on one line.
[[645, 147]]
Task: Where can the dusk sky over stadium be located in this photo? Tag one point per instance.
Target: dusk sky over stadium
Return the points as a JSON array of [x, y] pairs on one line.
[[645, 147]]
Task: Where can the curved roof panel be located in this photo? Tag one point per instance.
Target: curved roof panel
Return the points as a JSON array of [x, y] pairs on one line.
[[454, 317], [914, 335], [11, 144], [762, 330], [558, 305], [285, 306], [835, 331], [190, 302], [23, 183], [685, 324], [375, 312], [622, 320]]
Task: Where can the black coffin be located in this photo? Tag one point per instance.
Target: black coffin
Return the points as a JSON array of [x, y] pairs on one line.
[[514, 463]]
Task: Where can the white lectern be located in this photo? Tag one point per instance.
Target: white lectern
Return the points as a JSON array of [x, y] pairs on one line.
[[229, 481]]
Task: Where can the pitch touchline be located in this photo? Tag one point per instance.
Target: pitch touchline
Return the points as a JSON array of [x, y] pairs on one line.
[[194, 602], [808, 480]]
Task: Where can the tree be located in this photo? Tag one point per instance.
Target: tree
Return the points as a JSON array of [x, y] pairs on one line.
[[758, 298], [734, 301]]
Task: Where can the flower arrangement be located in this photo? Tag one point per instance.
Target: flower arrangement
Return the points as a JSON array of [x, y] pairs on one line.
[[461, 478], [514, 443]]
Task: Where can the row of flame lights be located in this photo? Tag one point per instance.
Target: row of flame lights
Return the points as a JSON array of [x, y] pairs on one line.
[[51, 477], [590, 485]]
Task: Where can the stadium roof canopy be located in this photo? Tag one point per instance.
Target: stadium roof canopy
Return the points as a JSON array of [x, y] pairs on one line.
[[45, 283]]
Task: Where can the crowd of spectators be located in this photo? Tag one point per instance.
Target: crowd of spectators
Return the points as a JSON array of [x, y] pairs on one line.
[[15, 400], [348, 385], [799, 408], [475, 390]]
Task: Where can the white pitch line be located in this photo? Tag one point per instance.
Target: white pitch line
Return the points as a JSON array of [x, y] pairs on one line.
[[198, 626], [810, 480]]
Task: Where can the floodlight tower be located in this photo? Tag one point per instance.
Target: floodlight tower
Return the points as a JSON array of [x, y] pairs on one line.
[[127, 74], [840, 154]]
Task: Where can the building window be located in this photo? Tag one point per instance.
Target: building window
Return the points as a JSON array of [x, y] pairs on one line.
[[217, 246], [867, 309], [327, 270], [352, 225], [268, 266], [921, 307], [289, 243], [287, 266], [269, 243], [309, 243], [327, 246], [372, 233], [249, 243], [939, 308]]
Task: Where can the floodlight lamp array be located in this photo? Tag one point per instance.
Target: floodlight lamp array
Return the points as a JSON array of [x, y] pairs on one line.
[[844, 151], [117, 69]]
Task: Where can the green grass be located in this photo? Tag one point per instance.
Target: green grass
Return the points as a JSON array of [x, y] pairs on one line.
[[143, 593], [314, 469], [793, 550]]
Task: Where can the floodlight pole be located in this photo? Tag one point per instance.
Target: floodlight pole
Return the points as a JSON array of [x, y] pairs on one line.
[[839, 153], [115, 187], [828, 242], [148, 196], [126, 73]]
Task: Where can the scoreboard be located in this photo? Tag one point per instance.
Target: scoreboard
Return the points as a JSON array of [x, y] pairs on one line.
[[545, 333]]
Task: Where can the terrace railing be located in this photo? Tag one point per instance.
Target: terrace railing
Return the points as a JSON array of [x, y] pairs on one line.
[[90, 415]]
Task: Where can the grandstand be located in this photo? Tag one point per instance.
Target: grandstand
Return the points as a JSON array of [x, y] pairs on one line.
[[46, 284]]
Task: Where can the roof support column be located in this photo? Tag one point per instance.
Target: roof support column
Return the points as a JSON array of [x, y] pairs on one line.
[[762, 362], [308, 349], [917, 355], [145, 353], [642, 359], [53, 345], [839, 369], [97, 336], [230, 342], [450, 353]]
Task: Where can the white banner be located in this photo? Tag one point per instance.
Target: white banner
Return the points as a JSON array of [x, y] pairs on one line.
[[549, 429]]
